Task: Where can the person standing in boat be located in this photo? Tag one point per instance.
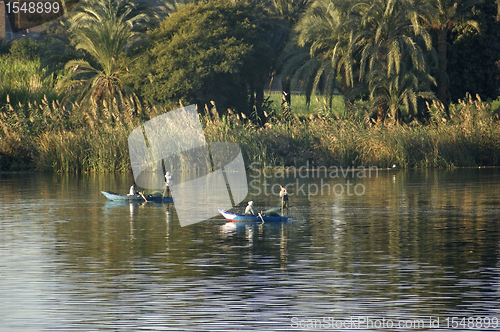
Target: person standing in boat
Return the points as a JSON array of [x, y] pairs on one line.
[[168, 183], [250, 211], [284, 197], [132, 190]]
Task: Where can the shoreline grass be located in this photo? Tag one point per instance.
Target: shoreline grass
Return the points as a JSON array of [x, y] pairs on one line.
[[470, 138], [48, 136]]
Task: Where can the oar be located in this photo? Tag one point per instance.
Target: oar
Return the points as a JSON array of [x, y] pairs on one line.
[[261, 217], [145, 200]]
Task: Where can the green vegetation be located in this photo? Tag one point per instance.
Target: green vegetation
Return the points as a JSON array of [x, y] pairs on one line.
[[317, 105], [99, 31], [69, 104], [469, 138], [378, 47], [22, 80], [24, 49], [50, 137], [206, 52], [472, 56]]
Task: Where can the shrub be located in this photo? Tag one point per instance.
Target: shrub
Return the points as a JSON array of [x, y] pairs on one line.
[[24, 49]]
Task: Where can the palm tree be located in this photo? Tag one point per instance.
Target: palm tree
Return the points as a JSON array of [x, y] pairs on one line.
[[388, 38], [102, 30], [397, 91], [321, 37], [374, 45], [288, 12], [304, 70], [443, 16]]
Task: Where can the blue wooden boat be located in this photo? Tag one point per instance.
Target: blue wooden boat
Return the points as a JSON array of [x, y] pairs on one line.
[[246, 218], [137, 198]]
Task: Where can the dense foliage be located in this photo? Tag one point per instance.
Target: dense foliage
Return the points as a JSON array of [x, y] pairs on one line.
[[394, 53], [378, 47], [206, 52], [473, 57], [101, 30]]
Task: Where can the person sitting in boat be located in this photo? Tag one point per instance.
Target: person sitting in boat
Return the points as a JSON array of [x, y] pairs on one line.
[[284, 197], [250, 211], [132, 190]]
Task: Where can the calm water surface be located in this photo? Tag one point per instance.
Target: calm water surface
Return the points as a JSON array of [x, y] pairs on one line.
[[412, 248]]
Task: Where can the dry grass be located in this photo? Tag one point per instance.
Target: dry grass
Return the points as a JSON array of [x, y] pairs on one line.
[[469, 138], [48, 136], [69, 139]]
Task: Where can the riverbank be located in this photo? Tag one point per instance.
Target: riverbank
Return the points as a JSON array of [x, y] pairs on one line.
[[48, 136], [470, 137]]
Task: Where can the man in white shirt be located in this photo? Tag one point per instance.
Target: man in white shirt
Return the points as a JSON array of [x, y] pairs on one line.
[[132, 190], [250, 211], [168, 183]]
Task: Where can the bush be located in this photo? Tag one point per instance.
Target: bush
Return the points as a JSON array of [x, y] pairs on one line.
[[24, 49], [203, 53], [495, 106]]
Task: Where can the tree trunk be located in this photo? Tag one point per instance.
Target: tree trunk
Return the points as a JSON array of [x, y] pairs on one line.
[[381, 112], [286, 91], [259, 99], [251, 102], [271, 82], [345, 90], [442, 79], [286, 100]]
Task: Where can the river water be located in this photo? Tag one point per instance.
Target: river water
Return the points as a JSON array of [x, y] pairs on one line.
[[394, 251]]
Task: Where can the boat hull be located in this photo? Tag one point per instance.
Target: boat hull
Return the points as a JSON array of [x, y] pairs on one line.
[[125, 198], [233, 217]]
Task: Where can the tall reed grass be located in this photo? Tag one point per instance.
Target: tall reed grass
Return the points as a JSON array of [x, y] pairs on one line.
[[49, 136], [471, 137]]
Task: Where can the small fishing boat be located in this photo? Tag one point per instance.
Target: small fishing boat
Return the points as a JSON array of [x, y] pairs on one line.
[[155, 197], [246, 218]]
